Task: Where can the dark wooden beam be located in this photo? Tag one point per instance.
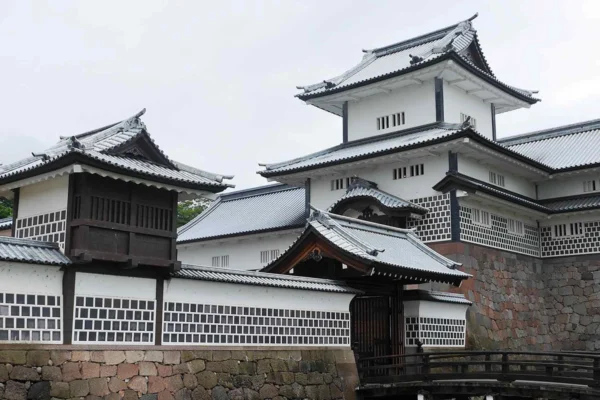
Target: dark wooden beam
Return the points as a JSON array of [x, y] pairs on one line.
[[160, 302], [13, 229], [68, 287], [439, 99], [493, 108], [345, 122]]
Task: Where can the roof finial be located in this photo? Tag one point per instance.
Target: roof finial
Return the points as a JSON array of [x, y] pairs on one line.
[[466, 123], [44, 156], [473, 17], [74, 143]]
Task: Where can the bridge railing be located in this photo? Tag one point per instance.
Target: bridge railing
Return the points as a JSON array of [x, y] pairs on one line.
[[506, 366]]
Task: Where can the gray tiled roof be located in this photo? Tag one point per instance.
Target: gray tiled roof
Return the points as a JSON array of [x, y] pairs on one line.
[[96, 146], [272, 207], [389, 251], [347, 152], [6, 223], [567, 146], [261, 279], [431, 295], [31, 251], [573, 204], [409, 54], [361, 189]]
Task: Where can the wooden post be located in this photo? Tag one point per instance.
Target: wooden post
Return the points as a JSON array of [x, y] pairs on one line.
[[596, 373], [425, 368], [158, 329], [488, 366], [68, 286], [505, 367]]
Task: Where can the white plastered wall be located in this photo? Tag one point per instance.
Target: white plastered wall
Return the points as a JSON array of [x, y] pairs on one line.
[[114, 286], [562, 187], [204, 292], [30, 278], [477, 170], [420, 308], [416, 101], [243, 251], [457, 101], [435, 168], [44, 197]]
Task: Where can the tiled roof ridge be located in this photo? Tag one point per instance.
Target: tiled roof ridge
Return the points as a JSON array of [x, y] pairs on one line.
[[359, 186], [558, 131], [97, 130], [28, 242], [206, 174], [326, 219], [371, 139], [257, 191]]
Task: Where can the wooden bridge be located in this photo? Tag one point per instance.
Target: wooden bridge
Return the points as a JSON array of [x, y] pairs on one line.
[[496, 374]]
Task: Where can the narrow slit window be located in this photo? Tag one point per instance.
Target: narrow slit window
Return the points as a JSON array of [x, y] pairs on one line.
[[589, 186]]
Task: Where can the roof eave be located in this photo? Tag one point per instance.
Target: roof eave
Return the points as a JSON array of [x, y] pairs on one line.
[[242, 234]]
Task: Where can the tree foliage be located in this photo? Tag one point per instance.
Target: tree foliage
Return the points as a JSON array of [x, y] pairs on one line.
[[5, 208], [189, 209]]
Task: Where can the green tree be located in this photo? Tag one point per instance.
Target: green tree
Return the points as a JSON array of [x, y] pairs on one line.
[[189, 209], [5, 208]]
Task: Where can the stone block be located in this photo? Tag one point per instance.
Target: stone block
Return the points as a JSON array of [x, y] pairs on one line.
[[247, 368], [149, 396], [257, 381], [181, 369], [80, 356], [38, 358], [90, 370], [221, 355], [324, 393], [139, 384], [134, 356], [39, 391], [15, 391], [99, 387], [113, 396], [20, 373], [108, 370], [230, 366], [147, 369], [126, 371], [219, 393], [196, 366], [165, 395], [3, 373], [154, 356], [241, 381], [59, 357], [268, 391], [236, 394], [278, 366], [200, 393], [190, 381], [79, 388], [207, 379], [97, 356], [298, 391], [226, 380], [171, 357], [189, 355], [115, 384], [50, 374], [60, 390], [156, 384], [301, 378], [315, 378], [287, 378], [114, 357], [15, 357], [250, 394], [263, 366], [130, 394], [173, 383], [183, 394], [164, 370]]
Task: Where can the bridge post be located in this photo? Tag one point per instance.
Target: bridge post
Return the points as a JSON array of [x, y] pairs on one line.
[[505, 368], [596, 374], [425, 370]]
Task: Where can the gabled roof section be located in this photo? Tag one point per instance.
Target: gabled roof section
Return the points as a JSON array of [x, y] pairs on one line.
[[458, 42], [31, 251], [6, 223], [390, 252], [124, 147], [456, 180], [363, 189], [563, 147], [572, 204], [251, 211], [214, 274]]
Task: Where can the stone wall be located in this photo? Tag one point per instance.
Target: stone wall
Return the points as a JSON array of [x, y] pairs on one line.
[[159, 374], [527, 303]]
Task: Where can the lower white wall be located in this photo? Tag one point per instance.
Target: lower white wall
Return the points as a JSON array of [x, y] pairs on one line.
[[115, 286], [32, 293], [435, 324], [243, 252]]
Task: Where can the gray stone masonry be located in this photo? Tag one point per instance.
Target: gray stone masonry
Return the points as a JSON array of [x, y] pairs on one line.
[[38, 374]]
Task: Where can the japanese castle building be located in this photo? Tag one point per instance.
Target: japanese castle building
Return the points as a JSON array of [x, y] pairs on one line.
[[419, 157]]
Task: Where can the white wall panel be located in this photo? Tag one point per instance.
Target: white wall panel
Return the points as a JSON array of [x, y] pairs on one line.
[[44, 197], [115, 286], [30, 278], [457, 101]]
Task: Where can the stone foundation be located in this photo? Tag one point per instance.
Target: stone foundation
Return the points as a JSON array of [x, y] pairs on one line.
[[526, 303], [167, 374]]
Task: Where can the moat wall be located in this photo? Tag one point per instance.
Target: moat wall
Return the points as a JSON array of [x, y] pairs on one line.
[[167, 374], [525, 303]]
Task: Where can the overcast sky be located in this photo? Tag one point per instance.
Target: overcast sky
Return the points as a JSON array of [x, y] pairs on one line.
[[218, 78]]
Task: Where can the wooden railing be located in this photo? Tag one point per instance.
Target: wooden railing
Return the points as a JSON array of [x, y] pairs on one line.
[[505, 366]]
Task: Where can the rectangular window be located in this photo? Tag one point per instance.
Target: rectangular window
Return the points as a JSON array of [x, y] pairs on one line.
[[473, 121], [480, 217], [497, 179], [409, 171], [266, 256], [571, 229], [514, 226], [396, 119], [589, 186], [340, 183], [220, 261]]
